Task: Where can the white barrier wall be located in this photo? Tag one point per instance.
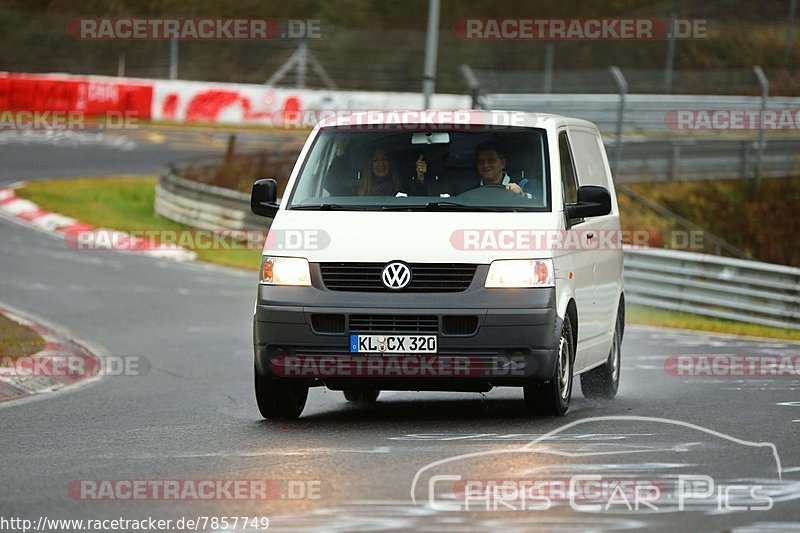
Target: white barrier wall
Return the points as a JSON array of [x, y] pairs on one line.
[[229, 103], [197, 101]]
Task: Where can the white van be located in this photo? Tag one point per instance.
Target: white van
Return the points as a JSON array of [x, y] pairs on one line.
[[448, 251]]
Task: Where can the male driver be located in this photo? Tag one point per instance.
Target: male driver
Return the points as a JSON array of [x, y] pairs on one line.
[[490, 162]]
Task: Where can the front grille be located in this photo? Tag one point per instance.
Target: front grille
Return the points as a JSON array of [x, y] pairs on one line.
[[459, 325], [425, 277], [394, 323]]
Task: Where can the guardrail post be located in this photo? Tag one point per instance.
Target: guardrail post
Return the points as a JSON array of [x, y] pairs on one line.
[[230, 151], [762, 79], [622, 86], [745, 160], [302, 66], [675, 162], [473, 84], [549, 52]]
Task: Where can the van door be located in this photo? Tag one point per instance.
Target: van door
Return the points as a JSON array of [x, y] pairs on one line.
[[592, 169], [582, 259]]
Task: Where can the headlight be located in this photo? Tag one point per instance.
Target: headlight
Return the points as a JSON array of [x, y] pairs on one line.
[[285, 271], [520, 274]]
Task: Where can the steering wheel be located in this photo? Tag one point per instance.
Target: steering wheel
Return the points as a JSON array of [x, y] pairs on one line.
[[488, 194]]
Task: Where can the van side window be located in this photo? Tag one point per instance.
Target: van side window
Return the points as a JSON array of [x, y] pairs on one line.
[[589, 158], [568, 181]]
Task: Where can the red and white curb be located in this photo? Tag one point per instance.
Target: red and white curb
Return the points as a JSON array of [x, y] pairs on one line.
[[63, 362], [28, 213]]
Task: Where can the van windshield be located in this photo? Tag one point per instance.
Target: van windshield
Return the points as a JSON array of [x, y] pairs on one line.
[[408, 168]]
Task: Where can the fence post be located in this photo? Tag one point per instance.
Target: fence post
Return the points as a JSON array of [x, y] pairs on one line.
[[431, 50], [787, 48], [762, 79], [670, 54], [622, 86]]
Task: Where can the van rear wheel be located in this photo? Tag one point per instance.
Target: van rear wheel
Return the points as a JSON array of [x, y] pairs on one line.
[[552, 397], [603, 382], [278, 399], [361, 395]]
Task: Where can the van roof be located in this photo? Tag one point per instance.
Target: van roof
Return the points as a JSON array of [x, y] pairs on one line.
[[444, 117]]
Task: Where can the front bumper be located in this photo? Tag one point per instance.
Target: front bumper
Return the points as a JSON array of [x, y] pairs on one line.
[[514, 342]]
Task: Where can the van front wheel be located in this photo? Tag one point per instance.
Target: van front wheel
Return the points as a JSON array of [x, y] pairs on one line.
[[552, 397], [278, 399]]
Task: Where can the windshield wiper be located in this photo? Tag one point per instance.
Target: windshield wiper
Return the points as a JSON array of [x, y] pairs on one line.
[[329, 207], [445, 206]]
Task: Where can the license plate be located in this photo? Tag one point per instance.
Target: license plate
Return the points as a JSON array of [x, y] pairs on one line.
[[392, 343]]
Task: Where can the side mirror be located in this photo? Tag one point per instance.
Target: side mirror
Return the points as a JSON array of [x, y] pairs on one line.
[[263, 199], [593, 201]]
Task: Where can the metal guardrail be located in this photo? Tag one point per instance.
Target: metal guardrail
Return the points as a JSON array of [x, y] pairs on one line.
[[204, 206], [643, 112], [629, 111], [697, 159], [720, 287]]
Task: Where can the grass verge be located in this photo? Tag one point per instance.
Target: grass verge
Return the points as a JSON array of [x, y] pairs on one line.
[[17, 340], [124, 204], [761, 221], [636, 314]]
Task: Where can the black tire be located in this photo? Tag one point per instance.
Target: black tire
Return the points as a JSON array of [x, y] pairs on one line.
[[552, 397], [278, 399], [602, 382], [361, 395]]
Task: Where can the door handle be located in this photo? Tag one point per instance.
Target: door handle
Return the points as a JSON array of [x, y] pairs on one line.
[[590, 235]]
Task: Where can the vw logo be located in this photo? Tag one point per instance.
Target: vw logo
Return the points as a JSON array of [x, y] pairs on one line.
[[396, 275]]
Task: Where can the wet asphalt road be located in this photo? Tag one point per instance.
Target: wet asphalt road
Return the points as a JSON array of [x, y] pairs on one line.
[[192, 415]]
